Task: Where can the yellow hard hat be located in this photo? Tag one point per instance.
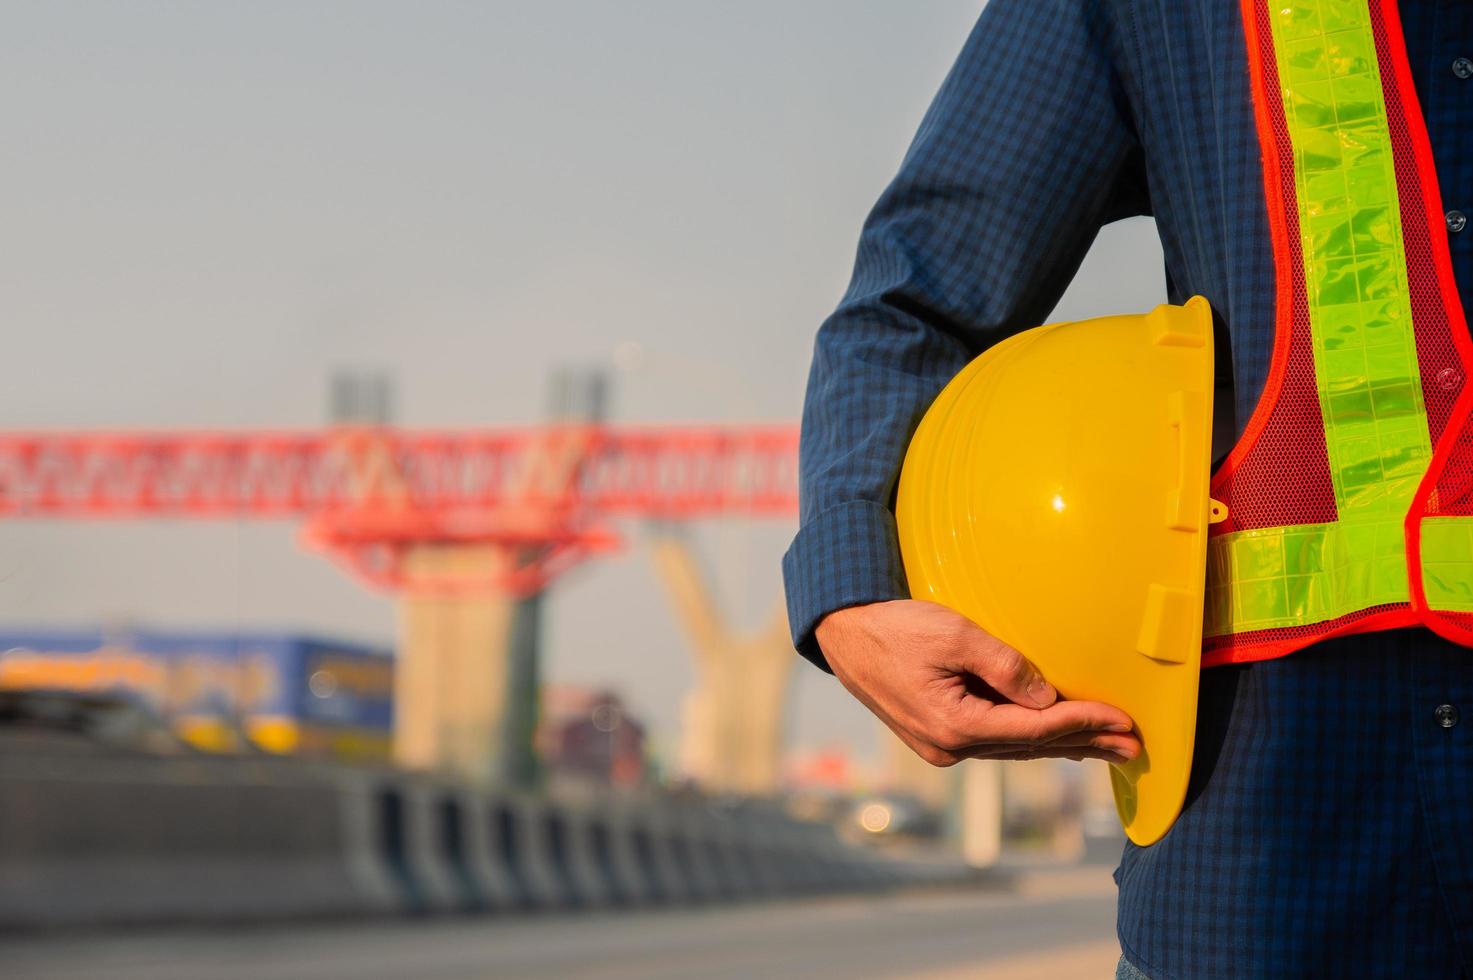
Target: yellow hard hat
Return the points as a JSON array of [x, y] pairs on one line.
[[1056, 494]]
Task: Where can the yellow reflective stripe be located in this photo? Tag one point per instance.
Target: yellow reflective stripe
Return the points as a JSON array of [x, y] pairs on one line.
[[1447, 563], [1359, 301], [1363, 342], [1275, 577]]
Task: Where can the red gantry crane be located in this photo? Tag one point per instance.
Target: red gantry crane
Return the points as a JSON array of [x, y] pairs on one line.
[[461, 524], [368, 496]]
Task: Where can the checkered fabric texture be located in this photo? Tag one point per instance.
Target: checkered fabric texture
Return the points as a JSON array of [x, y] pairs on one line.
[[1329, 830]]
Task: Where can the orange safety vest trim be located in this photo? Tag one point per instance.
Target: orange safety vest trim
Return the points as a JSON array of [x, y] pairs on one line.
[[1350, 492]]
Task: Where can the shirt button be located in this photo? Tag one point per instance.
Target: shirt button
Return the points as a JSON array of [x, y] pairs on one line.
[[1449, 379], [1463, 68], [1446, 715], [1456, 220]]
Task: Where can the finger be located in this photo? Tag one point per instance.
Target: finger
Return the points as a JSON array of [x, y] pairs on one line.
[[1127, 746], [1006, 670], [1082, 755], [1031, 753], [1117, 746], [1099, 740], [977, 721]]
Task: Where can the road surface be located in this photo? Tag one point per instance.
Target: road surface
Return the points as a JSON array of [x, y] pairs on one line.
[[1051, 924]]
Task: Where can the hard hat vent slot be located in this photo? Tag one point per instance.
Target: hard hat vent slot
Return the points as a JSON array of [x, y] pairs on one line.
[[1187, 413]]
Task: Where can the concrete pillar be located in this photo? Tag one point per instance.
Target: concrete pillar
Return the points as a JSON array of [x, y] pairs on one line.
[[981, 812], [451, 692], [733, 722]]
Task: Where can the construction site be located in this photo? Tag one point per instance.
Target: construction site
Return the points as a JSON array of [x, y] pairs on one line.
[[399, 452], [447, 775]]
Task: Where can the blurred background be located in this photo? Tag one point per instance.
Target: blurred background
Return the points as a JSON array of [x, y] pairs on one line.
[[395, 462]]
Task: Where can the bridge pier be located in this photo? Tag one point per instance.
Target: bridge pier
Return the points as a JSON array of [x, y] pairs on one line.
[[465, 690]]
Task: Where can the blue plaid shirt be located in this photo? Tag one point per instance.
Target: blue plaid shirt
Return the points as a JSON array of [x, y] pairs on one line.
[[1329, 825]]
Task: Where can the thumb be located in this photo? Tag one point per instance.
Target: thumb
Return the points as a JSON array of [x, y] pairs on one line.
[[1008, 672]]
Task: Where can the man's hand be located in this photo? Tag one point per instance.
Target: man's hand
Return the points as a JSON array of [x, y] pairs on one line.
[[951, 691]]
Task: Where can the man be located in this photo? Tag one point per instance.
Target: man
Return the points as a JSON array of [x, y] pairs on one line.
[[1328, 829]]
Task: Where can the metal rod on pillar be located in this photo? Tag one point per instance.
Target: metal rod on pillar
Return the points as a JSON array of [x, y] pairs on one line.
[[520, 764], [575, 396]]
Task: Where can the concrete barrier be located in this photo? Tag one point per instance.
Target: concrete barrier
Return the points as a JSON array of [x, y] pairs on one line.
[[843, 868], [838, 865], [679, 880], [88, 842], [875, 873], [519, 837], [485, 862], [366, 868], [651, 841], [566, 834], [765, 861], [92, 840], [614, 846], [412, 832], [802, 867], [731, 855], [688, 839]]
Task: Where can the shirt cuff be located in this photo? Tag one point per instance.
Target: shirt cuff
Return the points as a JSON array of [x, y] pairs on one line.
[[846, 556]]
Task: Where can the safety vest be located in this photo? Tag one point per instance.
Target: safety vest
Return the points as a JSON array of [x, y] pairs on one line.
[[1350, 493]]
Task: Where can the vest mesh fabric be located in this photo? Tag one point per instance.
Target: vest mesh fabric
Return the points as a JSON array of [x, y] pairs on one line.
[[1282, 475]]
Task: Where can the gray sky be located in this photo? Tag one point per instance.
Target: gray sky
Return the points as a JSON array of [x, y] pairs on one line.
[[207, 207]]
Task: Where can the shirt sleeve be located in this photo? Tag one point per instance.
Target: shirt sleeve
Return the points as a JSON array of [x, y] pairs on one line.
[[1028, 149]]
